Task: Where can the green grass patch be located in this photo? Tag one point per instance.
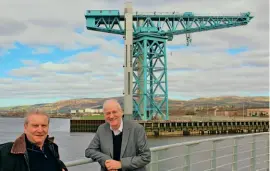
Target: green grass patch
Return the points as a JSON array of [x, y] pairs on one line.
[[97, 117]]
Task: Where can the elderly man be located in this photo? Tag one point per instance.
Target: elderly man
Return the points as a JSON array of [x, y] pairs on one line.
[[119, 145], [33, 150]]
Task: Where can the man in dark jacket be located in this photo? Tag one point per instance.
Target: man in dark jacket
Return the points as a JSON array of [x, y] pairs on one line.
[[33, 150]]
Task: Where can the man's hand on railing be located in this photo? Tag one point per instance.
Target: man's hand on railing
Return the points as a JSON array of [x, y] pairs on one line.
[[113, 165]]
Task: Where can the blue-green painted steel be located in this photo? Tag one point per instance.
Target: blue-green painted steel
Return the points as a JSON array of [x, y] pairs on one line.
[[164, 25], [150, 97], [98, 13], [150, 94]]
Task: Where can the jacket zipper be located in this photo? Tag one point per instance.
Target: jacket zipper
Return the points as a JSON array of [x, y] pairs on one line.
[[27, 161]]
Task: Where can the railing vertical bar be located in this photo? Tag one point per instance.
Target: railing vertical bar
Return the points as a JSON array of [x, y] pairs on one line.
[[154, 161], [235, 157], [214, 165], [268, 149], [187, 158], [253, 154], [214, 155]]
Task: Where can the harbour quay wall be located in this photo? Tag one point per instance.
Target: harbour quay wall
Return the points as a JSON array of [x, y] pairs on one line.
[[181, 128]]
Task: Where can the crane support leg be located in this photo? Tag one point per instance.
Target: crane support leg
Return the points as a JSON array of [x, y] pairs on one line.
[[150, 92]]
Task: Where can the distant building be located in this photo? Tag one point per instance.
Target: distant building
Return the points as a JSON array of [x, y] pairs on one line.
[[230, 113], [73, 111], [225, 113], [258, 112], [87, 111], [81, 111]]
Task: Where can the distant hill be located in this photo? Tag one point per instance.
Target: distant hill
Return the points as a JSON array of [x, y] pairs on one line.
[[65, 106], [230, 101]]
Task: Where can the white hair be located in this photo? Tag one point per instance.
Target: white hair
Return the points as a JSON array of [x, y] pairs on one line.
[[35, 112], [106, 102]]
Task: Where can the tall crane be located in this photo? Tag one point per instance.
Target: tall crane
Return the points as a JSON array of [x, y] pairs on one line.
[[145, 64]]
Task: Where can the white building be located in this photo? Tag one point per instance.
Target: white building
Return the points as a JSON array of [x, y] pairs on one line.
[[89, 110], [81, 110], [73, 111]]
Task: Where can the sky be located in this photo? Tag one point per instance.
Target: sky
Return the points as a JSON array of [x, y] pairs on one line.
[[47, 54]]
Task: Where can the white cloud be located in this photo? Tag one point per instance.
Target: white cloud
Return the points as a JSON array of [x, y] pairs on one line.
[[47, 24], [84, 75], [198, 59], [11, 27], [99, 73], [90, 74]]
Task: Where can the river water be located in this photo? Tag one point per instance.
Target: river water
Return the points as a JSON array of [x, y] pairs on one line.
[[73, 145]]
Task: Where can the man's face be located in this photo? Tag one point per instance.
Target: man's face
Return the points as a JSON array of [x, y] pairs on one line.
[[113, 115], [37, 128]]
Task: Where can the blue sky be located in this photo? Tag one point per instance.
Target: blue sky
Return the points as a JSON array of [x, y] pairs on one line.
[[42, 61]]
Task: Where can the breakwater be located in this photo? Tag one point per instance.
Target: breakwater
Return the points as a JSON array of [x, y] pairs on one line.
[[178, 128]]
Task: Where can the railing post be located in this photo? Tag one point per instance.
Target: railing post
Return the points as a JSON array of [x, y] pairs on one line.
[[268, 152], [187, 158], [253, 155], [154, 161], [235, 156], [213, 161]]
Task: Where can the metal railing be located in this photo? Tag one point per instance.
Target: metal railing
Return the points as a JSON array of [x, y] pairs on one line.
[[236, 153]]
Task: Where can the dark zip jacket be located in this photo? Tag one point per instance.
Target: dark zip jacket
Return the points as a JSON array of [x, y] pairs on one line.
[[14, 156]]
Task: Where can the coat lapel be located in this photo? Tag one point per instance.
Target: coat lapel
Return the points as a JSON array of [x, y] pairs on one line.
[[109, 140], [124, 138]]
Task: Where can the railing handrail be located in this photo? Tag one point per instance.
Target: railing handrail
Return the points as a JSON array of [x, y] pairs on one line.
[[78, 162], [164, 147]]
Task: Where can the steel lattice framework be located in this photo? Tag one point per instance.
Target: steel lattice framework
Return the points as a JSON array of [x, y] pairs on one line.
[[150, 32], [150, 73]]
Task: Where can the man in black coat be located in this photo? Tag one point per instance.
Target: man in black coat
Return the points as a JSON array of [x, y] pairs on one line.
[[33, 150]]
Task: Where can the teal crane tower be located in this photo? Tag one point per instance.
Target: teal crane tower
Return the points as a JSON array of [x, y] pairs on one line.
[[145, 64]]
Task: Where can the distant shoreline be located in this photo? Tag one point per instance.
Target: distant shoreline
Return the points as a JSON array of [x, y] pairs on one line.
[[10, 117], [61, 117], [183, 118]]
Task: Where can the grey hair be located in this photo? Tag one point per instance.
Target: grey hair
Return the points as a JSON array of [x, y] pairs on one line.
[[110, 101], [35, 112]]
